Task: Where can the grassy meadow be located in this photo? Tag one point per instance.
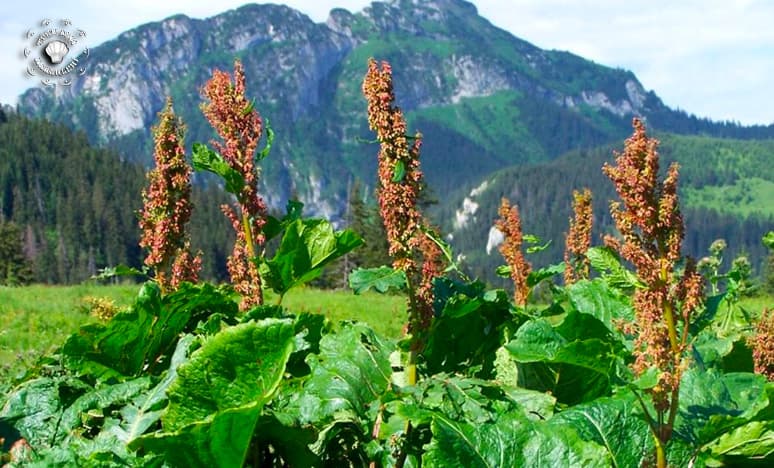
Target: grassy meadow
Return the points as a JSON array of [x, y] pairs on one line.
[[39, 318]]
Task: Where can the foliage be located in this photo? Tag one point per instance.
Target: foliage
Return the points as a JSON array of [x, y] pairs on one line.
[[15, 269]]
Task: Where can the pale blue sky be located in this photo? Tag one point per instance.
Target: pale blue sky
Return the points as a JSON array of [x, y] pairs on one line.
[[713, 58]]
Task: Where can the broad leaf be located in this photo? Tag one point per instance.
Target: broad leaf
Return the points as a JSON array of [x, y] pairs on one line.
[[599, 300], [239, 366], [205, 159], [753, 441], [577, 367], [222, 440], [512, 440], [274, 226], [215, 402], [145, 334], [145, 410], [306, 247], [348, 376], [381, 279], [535, 277], [468, 330], [616, 424], [712, 403]]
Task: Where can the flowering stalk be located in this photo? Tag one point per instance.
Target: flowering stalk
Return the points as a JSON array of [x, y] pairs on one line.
[[578, 239], [762, 344], [167, 207], [240, 127], [398, 188], [509, 224], [651, 226]]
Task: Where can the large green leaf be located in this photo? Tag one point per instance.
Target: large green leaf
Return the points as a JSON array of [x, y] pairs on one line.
[[241, 365], [348, 376], [34, 408], [511, 440], [145, 334], [576, 361], [616, 424], [215, 402], [274, 226], [307, 246], [468, 330], [753, 441], [599, 300], [146, 409], [381, 279], [221, 440], [535, 277], [712, 403], [205, 159]]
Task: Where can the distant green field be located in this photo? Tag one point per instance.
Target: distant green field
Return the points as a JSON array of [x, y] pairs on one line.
[[745, 197], [38, 318]]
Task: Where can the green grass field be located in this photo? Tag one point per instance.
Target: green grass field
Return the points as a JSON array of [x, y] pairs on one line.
[[38, 318]]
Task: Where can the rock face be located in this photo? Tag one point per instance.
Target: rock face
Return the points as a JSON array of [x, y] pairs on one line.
[[306, 80]]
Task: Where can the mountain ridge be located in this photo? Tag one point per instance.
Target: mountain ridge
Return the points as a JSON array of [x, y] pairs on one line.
[[483, 98]]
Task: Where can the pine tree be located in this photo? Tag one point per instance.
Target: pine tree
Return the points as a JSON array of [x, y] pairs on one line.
[[15, 269]]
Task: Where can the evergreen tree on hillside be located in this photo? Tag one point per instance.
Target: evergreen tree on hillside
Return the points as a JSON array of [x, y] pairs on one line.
[[15, 269]]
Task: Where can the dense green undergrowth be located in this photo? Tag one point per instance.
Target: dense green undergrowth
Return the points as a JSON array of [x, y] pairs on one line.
[[185, 380]]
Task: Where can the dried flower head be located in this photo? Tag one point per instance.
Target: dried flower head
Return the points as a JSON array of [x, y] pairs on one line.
[[509, 224], [240, 127], [762, 344], [167, 200], [578, 239]]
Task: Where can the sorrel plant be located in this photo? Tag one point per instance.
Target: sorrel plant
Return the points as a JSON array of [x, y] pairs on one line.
[[167, 207], [237, 122], [649, 220]]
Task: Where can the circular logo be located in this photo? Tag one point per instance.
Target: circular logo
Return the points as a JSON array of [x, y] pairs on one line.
[[54, 53]]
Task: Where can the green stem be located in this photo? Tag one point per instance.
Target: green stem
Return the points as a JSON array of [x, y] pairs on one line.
[[248, 234], [669, 315], [661, 461]]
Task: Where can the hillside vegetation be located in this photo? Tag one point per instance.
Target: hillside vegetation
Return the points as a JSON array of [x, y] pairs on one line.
[[724, 187]]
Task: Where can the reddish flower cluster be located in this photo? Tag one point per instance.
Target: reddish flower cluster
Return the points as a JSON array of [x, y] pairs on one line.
[[167, 206], [397, 193], [762, 344], [433, 265], [240, 126], [652, 228], [578, 238], [185, 267], [510, 225], [398, 190]]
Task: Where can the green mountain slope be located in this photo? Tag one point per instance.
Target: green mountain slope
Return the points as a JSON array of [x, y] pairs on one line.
[[76, 204], [483, 98], [725, 190]]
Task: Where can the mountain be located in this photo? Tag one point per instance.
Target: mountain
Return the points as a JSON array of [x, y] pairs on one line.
[[725, 190], [483, 98]]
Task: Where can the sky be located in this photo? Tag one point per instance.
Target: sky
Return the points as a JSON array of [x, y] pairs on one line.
[[712, 58]]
